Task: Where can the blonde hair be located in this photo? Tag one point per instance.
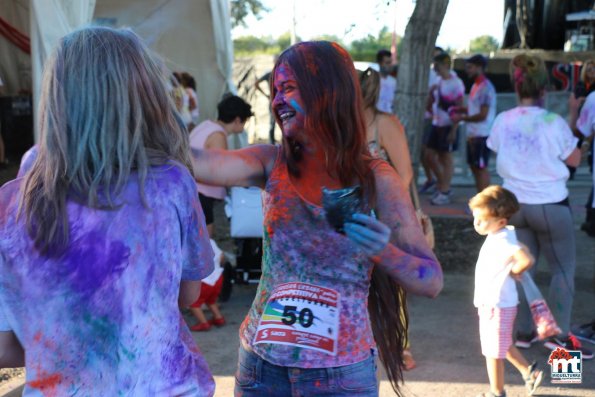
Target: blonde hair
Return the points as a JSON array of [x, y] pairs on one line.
[[369, 81], [584, 70], [528, 75], [499, 202], [104, 111]]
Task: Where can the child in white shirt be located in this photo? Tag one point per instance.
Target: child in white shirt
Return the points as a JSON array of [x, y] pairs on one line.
[[210, 289], [496, 299]]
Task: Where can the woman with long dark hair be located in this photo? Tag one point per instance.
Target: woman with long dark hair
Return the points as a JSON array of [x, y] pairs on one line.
[[324, 303], [103, 237]]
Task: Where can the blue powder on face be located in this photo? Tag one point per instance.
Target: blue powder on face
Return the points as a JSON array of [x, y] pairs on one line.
[[296, 106]]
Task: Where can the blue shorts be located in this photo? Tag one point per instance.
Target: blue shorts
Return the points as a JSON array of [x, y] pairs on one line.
[[259, 378]]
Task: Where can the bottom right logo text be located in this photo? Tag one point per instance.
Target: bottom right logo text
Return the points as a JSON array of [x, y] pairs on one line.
[[567, 366]]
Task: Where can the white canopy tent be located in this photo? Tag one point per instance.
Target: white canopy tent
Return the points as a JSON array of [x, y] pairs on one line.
[[190, 35]]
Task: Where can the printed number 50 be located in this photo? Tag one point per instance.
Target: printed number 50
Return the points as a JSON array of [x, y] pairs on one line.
[[305, 318]]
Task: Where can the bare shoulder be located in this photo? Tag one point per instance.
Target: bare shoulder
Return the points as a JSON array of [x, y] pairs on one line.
[[389, 122]]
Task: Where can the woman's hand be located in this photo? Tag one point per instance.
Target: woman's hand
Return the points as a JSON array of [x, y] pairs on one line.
[[369, 234]]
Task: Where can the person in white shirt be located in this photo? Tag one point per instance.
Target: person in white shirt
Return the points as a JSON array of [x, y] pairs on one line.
[[446, 95], [534, 146], [210, 289], [479, 116], [388, 84], [586, 126], [501, 258], [232, 114], [3, 162], [429, 186]]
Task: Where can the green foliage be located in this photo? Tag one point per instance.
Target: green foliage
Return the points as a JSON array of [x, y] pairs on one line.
[[284, 40], [249, 45], [253, 44], [483, 44], [240, 9], [363, 49]]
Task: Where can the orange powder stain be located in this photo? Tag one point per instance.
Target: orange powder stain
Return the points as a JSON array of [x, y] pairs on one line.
[[279, 212]]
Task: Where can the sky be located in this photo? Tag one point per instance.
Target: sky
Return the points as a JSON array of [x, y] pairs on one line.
[[354, 19]]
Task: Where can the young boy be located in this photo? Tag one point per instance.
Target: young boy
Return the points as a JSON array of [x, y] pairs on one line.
[[210, 288], [496, 298]]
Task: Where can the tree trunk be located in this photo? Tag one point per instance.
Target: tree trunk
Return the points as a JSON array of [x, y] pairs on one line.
[[414, 68]]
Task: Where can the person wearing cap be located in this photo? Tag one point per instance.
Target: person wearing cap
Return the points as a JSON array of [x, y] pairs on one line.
[[233, 112], [479, 117]]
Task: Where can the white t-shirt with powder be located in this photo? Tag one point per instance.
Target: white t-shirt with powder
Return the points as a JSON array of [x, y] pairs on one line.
[[494, 287], [446, 94], [532, 145], [586, 124], [212, 278], [388, 87]]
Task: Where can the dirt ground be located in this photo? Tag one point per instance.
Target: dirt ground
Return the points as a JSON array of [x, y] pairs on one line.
[[444, 331]]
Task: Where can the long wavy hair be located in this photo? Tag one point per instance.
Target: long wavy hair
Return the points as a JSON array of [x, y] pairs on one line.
[[331, 93], [584, 74], [369, 81], [104, 112]]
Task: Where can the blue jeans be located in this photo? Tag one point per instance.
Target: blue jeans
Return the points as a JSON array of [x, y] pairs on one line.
[[257, 377]]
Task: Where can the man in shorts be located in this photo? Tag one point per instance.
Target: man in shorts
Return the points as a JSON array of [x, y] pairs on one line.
[[479, 116]]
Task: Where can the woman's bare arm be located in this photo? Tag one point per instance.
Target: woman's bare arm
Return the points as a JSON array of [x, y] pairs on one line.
[[394, 141], [245, 167], [12, 354], [189, 292], [407, 258], [574, 159]]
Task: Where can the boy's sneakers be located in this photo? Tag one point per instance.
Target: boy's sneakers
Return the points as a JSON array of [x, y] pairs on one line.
[[441, 198], [428, 187], [568, 343], [524, 341], [585, 332], [534, 379]]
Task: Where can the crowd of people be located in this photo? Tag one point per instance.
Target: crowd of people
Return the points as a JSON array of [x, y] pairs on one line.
[[106, 234]]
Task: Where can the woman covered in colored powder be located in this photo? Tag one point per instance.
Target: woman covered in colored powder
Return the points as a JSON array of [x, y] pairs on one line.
[[103, 237], [534, 147], [309, 330]]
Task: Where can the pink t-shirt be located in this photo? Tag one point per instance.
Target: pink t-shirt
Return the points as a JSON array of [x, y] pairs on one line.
[[198, 138]]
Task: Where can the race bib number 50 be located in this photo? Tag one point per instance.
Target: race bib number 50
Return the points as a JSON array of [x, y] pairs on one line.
[[303, 315]]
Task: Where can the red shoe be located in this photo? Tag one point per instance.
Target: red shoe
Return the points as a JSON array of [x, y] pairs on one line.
[[219, 322], [200, 327]]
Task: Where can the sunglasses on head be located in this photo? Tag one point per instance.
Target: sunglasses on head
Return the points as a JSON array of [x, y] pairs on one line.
[[365, 74]]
